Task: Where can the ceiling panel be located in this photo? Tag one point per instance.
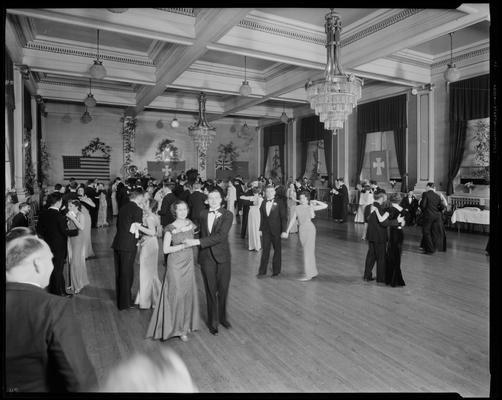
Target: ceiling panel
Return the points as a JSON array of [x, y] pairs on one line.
[[66, 32], [463, 37], [315, 16], [235, 60]]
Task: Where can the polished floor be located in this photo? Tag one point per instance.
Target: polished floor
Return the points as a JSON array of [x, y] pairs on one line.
[[333, 334]]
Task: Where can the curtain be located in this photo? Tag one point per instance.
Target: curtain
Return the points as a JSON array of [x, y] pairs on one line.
[[273, 166], [380, 116], [27, 110], [312, 129], [316, 160], [469, 99], [10, 104], [274, 136]]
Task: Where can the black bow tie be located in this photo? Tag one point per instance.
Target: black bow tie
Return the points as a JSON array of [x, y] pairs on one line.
[[213, 212], [270, 200]]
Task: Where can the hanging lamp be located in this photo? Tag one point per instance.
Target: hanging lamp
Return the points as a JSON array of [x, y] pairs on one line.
[[284, 116], [452, 74], [86, 117], [245, 128], [97, 70], [201, 132], [335, 96], [90, 101], [245, 89], [175, 123]]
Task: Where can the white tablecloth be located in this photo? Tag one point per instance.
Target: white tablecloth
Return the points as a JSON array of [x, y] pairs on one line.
[[471, 215]]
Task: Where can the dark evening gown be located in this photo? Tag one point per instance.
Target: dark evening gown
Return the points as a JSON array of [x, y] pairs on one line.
[[393, 274]]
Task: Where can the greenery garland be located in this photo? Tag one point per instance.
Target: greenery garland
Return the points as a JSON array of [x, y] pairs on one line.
[[482, 147], [96, 145], [167, 145], [30, 179], [128, 139], [44, 162]]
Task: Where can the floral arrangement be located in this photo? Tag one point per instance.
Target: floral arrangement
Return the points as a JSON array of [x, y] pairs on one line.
[[167, 151], [96, 145], [469, 186], [482, 147], [392, 183], [228, 152], [44, 162], [128, 139], [30, 178]]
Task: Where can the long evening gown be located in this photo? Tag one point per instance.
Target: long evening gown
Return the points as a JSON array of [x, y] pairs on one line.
[[254, 219], [149, 282], [177, 312], [115, 206], [103, 206], [393, 274], [291, 195], [365, 198], [76, 256], [88, 250], [307, 233]]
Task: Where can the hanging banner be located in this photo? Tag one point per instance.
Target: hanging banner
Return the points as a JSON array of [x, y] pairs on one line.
[[379, 162], [165, 169]]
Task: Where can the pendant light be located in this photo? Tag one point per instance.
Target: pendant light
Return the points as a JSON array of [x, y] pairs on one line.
[[452, 74], [86, 117], [90, 101], [245, 89], [175, 123], [97, 70], [245, 128], [284, 116]]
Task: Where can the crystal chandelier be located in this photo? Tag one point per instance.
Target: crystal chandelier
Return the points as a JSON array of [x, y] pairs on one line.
[[86, 117], [201, 132], [452, 74], [90, 101], [335, 96], [245, 90], [97, 70]]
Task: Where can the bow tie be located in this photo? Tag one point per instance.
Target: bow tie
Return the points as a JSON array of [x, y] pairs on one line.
[[270, 200], [213, 212]]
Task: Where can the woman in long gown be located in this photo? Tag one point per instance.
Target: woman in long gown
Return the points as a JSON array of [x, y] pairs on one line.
[[291, 201], [76, 256], [304, 212], [393, 274], [103, 206], [177, 311], [149, 282], [254, 219], [87, 204], [231, 198]]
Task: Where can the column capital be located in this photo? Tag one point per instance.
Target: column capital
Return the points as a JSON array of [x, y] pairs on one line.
[[24, 70]]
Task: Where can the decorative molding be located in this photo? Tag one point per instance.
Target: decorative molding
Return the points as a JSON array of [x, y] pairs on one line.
[[461, 57], [259, 24], [72, 51], [83, 85], [183, 11]]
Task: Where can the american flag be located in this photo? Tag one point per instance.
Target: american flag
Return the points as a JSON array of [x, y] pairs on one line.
[[83, 168]]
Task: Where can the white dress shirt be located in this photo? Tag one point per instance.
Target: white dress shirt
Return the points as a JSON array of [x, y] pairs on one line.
[[210, 219], [268, 206]]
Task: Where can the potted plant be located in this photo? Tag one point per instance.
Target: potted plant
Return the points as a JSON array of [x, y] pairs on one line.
[[469, 186]]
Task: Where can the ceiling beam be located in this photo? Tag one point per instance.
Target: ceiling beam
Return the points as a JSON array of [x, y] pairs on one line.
[[181, 57]]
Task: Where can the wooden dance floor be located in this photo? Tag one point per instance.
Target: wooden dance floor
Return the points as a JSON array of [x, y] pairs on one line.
[[333, 334]]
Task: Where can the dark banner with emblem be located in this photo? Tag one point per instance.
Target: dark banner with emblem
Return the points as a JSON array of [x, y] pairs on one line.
[[379, 166], [226, 170], [165, 169]]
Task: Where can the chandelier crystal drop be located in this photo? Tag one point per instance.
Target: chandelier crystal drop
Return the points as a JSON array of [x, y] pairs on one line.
[[334, 97], [201, 132], [97, 70], [245, 90], [452, 74]]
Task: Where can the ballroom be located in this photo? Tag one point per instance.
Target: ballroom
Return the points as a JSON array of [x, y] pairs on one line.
[[315, 98]]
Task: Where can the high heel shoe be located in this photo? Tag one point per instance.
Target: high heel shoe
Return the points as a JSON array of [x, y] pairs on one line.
[[304, 279]]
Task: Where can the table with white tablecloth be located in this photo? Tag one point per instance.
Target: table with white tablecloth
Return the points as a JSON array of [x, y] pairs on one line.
[[470, 215]]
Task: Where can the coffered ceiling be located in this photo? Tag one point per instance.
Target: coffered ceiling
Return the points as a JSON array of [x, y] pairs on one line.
[[162, 58]]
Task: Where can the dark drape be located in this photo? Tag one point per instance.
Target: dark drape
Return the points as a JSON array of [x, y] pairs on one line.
[[10, 104], [380, 116], [274, 135], [469, 99], [312, 129], [27, 110]]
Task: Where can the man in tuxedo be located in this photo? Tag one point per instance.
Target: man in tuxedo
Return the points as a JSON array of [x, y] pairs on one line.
[[245, 209], [91, 192], [345, 199], [44, 348], [432, 206], [273, 225], [196, 203], [53, 228], [166, 216], [214, 258], [410, 206], [239, 191], [21, 218], [376, 236], [124, 247]]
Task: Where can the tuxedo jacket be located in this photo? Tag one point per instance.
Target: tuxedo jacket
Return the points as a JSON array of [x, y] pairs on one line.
[[196, 204], [431, 203], [121, 195], [166, 217], [52, 226], [216, 242], [276, 222], [125, 240], [377, 231], [19, 220], [44, 347], [409, 206]]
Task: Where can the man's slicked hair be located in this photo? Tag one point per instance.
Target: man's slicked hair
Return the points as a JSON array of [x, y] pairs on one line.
[[20, 248]]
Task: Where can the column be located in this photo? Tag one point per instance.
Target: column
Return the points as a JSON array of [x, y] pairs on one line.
[[34, 145], [259, 149], [19, 135], [423, 139], [431, 134], [291, 148]]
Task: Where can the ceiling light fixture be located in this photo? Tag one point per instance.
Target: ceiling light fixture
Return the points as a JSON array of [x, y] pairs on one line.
[[97, 70], [245, 89], [452, 74], [201, 132], [117, 10], [175, 123], [86, 117], [335, 96], [284, 116], [245, 128], [90, 101]]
